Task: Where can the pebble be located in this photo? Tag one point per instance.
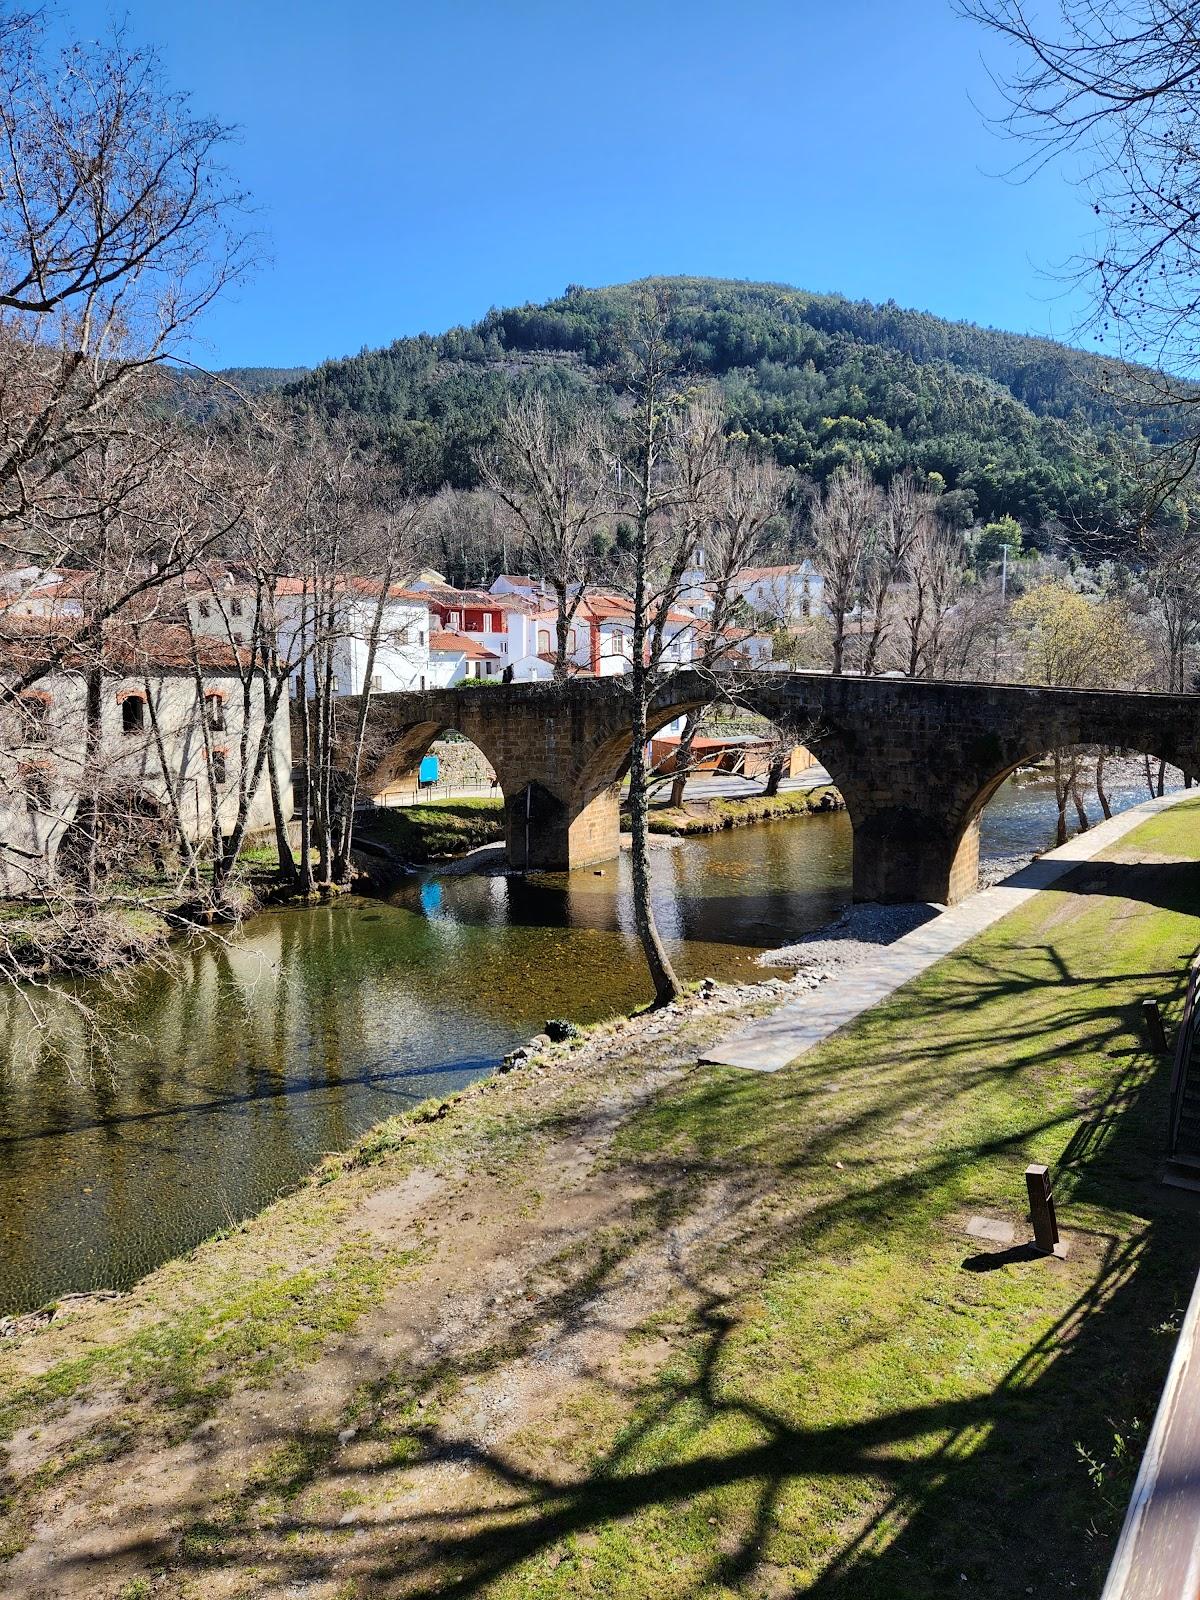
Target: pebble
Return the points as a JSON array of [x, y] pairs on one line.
[[852, 938]]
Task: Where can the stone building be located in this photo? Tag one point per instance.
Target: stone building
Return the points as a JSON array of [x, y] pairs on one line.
[[168, 717]]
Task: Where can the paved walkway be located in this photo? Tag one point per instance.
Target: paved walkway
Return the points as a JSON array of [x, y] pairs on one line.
[[770, 1042]]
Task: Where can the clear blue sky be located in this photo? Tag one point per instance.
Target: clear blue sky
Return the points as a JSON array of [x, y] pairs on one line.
[[415, 163]]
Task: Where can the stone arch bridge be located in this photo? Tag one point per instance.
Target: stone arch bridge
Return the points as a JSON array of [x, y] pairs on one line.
[[915, 759]]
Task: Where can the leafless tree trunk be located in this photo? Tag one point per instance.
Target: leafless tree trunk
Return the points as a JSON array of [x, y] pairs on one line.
[[552, 479], [843, 523], [1101, 794], [667, 463]]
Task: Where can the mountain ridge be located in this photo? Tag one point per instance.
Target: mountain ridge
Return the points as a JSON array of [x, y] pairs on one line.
[[1008, 423]]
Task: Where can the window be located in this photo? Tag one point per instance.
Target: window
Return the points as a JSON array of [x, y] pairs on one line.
[[543, 641], [377, 681], [204, 610], [37, 717], [37, 792], [220, 775], [421, 642], [133, 714], [214, 705], [235, 608], [422, 680], [454, 619], [333, 684]]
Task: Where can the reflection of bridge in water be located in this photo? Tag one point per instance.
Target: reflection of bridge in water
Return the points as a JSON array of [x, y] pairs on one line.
[[916, 760]]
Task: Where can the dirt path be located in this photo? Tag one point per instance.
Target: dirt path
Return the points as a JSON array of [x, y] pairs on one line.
[[522, 1285]]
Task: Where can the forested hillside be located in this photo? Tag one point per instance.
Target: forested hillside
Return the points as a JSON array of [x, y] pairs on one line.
[[1012, 424]]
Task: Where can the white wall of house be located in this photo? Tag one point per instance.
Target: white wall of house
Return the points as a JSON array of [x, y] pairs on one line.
[[787, 594], [446, 668], [402, 658]]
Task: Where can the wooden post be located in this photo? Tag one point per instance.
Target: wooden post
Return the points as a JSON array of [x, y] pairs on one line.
[[1155, 1033], [1041, 1211]]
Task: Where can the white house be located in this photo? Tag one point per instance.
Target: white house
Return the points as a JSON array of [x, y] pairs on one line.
[[783, 594], [454, 657], [402, 651]]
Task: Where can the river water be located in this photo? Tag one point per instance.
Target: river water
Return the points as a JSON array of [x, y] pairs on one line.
[[235, 1070]]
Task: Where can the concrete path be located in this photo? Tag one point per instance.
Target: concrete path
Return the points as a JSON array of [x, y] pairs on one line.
[[770, 1042]]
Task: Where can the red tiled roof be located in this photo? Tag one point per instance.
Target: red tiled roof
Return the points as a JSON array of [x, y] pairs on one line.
[[126, 648], [448, 599], [459, 644], [754, 574]]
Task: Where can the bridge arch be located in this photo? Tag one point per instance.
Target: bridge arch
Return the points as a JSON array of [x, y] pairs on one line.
[[915, 759]]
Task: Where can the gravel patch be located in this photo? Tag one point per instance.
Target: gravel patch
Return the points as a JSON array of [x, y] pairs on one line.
[[851, 938]]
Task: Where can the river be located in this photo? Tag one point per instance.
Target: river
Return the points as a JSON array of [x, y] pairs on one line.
[[233, 1071]]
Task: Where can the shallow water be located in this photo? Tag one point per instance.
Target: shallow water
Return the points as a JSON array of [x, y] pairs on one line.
[[233, 1072]]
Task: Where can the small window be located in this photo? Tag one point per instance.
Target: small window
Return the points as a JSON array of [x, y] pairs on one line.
[[422, 680], [133, 714], [220, 775], [204, 609], [454, 619], [37, 717], [215, 707], [333, 684], [235, 608], [421, 642], [377, 681], [37, 793]]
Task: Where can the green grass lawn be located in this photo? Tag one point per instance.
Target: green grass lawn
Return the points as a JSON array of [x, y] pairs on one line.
[[892, 1408]]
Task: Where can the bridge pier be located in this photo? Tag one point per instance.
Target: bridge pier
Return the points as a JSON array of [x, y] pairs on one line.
[[545, 833], [900, 855]]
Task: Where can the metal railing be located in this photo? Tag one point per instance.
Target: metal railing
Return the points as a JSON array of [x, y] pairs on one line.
[[425, 793], [1158, 1554], [1185, 1045]]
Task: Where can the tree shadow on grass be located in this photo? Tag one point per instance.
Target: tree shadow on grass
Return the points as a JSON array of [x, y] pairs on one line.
[[982, 1486]]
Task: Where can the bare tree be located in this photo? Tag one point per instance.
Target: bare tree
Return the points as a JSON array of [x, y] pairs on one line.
[[551, 477], [1115, 84], [936, 568], [117, 229], [905, 508], [667, 460], [745, 493], [843, 523], [1173, 581]]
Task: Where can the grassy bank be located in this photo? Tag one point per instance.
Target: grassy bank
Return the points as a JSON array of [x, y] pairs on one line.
[[452, 827], [614, 1324], [443, 828], [711, 816], [134, 918]]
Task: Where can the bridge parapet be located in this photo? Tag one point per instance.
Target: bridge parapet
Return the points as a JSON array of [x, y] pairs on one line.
[[915, 759]]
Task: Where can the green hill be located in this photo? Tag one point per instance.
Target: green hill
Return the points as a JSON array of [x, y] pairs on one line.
[[1012, 424]]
